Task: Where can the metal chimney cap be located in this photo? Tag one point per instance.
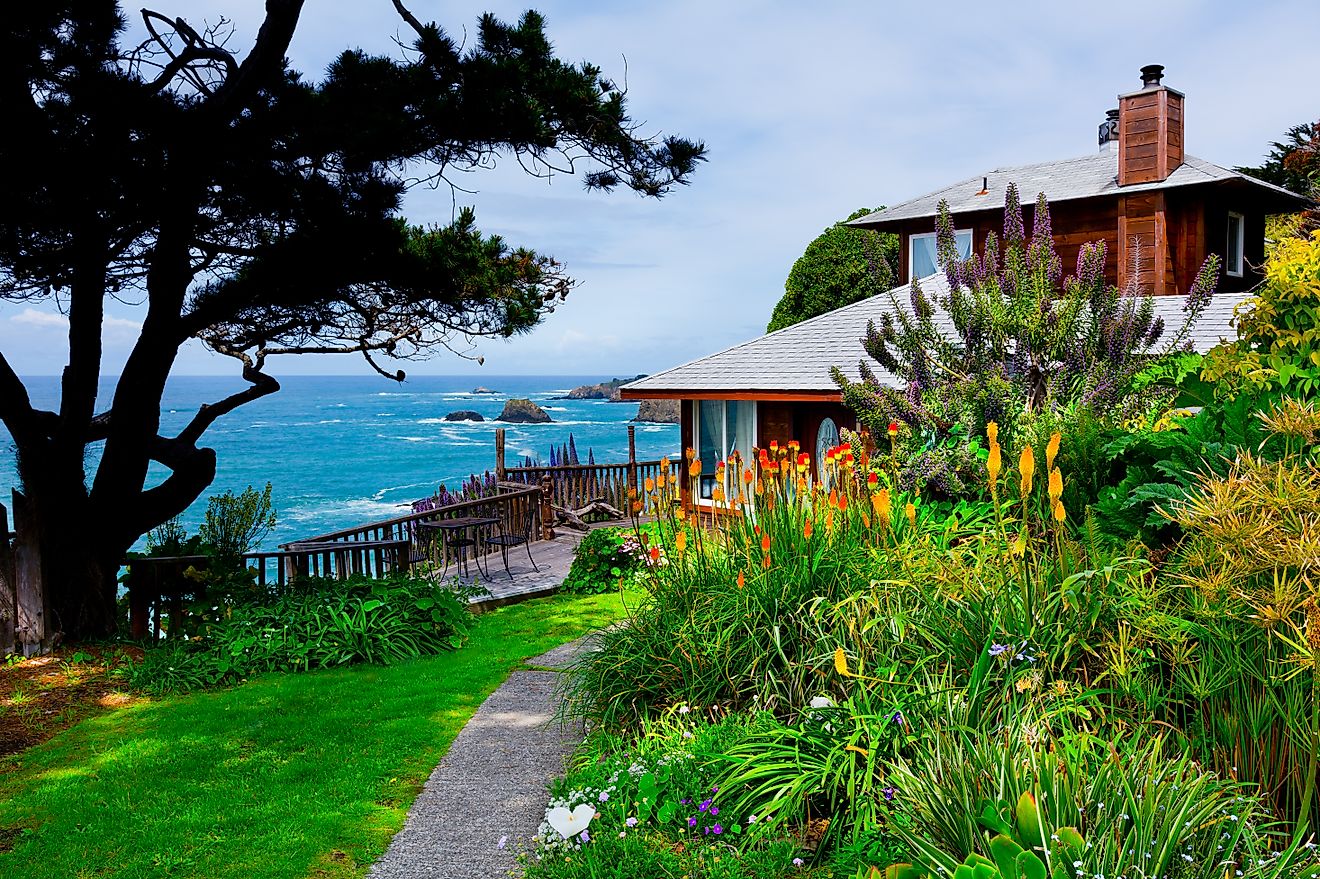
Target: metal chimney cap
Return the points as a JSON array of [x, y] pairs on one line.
[[1151, 75]]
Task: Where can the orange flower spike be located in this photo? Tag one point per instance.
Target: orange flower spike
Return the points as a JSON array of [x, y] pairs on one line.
[[872, 480], [1052, 449], [806, 530], [783, 467], [650, 485], [748, 476], [694, 469], [911, 514], [660, 479], [992, 433], [691, 453], [680, 513], [664, 464], [994, 463], [802, 485], [636, 506], [680, 542], [765, 542], [829, 519], [742, 580], [1060, 514], [774, 447], [717, 494], [765, 561], [803, 460], [883, 509], [655, 553], [1027, 467], [866, 521], [834, 498], [1056, 485]]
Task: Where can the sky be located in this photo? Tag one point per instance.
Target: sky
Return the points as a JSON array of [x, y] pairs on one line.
[[809, 111]]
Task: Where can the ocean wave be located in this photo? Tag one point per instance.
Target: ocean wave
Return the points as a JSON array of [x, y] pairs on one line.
[[395, 394], [362, 509], [407, 439], [555, 408], [331, 421]]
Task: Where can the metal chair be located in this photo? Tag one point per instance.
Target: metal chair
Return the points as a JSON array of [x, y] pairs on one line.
[[504, 539]]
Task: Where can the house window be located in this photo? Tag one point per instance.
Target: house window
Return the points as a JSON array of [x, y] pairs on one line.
[[923, 261], [1237, 226], [721, 427]]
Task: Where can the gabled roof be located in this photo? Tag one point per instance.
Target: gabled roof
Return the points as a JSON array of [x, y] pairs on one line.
[[797, 360], [1083, 177]]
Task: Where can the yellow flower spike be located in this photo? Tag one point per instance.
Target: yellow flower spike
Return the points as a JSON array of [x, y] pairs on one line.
[[680, 514], [1052, 449], [841, 662], [1020, 545], [717, 494], [802, 485], [1027, 466], [680, 542], [694, 469], [650, 485], [992, 431], [1056, 485], [880, 500], [866, 521], [1060, 514], [691, 453], [660, 480], [911, 514], [993, 464], [664, 464]]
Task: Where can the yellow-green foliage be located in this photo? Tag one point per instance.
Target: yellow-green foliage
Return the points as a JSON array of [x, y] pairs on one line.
[[1278, 346]]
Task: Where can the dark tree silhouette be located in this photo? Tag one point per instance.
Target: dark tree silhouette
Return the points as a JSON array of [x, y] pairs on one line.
[[250, 208]]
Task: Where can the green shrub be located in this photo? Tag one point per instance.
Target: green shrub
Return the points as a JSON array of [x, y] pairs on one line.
[[605, 559], [326, 623]]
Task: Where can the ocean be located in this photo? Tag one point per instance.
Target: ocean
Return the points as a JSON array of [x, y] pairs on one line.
[[345, 450]]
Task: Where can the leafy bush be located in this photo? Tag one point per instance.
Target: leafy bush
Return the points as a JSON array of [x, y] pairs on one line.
[[605, 559], [1278, 345], [237, 523], [326, 623]]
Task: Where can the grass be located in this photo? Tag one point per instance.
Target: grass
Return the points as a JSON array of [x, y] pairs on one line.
[[288, 775]]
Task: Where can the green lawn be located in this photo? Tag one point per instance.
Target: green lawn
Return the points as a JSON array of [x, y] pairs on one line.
[[285, 776]]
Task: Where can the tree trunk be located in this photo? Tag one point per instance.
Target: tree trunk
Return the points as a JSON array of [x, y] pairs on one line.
[[67, 562]]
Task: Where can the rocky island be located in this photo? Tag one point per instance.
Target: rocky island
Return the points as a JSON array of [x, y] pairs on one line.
[[523, 411], [464, 415], [604, 391], [658, 412]]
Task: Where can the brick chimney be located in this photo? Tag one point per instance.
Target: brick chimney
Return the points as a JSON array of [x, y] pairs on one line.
[[1150, 130]]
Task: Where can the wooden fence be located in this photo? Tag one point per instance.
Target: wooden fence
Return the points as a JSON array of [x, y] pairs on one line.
[[573, 486]]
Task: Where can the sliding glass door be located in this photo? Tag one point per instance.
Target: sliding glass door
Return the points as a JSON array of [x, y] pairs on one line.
[[721, 427]]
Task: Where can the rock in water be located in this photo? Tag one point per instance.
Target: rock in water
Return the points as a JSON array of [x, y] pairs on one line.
[[464, 415], [658, 411], [481, 389], [523, 411]]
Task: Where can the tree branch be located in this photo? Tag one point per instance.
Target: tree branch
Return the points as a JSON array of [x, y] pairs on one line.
[[262, 385]]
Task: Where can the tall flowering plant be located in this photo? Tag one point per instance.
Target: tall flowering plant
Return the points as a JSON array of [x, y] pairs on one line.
[[1003, 334]]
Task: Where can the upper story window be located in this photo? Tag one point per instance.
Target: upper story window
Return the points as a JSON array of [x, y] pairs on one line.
[[923, 261], [1237, 227]]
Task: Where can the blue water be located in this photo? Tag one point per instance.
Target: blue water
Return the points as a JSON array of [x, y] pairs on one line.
[[344, 450]]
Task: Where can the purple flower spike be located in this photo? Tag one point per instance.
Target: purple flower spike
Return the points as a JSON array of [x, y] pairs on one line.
[[996, 649], [889, 793]]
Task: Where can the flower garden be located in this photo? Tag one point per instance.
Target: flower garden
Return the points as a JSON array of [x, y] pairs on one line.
[[1015, 629]]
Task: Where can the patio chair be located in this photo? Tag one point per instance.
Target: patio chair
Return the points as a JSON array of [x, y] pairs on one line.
[[506, 539]]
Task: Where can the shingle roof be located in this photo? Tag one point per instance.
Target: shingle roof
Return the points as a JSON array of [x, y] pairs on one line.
[[798, 358], [1083, 177]]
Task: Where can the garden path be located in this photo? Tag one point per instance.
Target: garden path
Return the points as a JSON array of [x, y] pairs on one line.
[[485, 801]]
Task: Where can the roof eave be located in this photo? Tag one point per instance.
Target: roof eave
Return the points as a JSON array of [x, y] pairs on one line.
[[789, 395]]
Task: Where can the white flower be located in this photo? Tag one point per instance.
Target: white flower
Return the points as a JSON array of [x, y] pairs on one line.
[[683, 709], [503, 840], [822, 702]]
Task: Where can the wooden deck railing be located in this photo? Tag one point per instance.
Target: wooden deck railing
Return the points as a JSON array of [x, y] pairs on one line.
[[573, 486]]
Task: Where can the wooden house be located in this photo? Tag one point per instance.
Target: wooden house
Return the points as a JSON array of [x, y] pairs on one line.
[[1159, 211]]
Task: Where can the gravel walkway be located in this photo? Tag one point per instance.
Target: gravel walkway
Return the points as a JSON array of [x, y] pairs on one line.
[[491, 784]]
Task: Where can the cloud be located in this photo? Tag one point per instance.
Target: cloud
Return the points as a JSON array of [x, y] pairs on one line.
[[31, 317]]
